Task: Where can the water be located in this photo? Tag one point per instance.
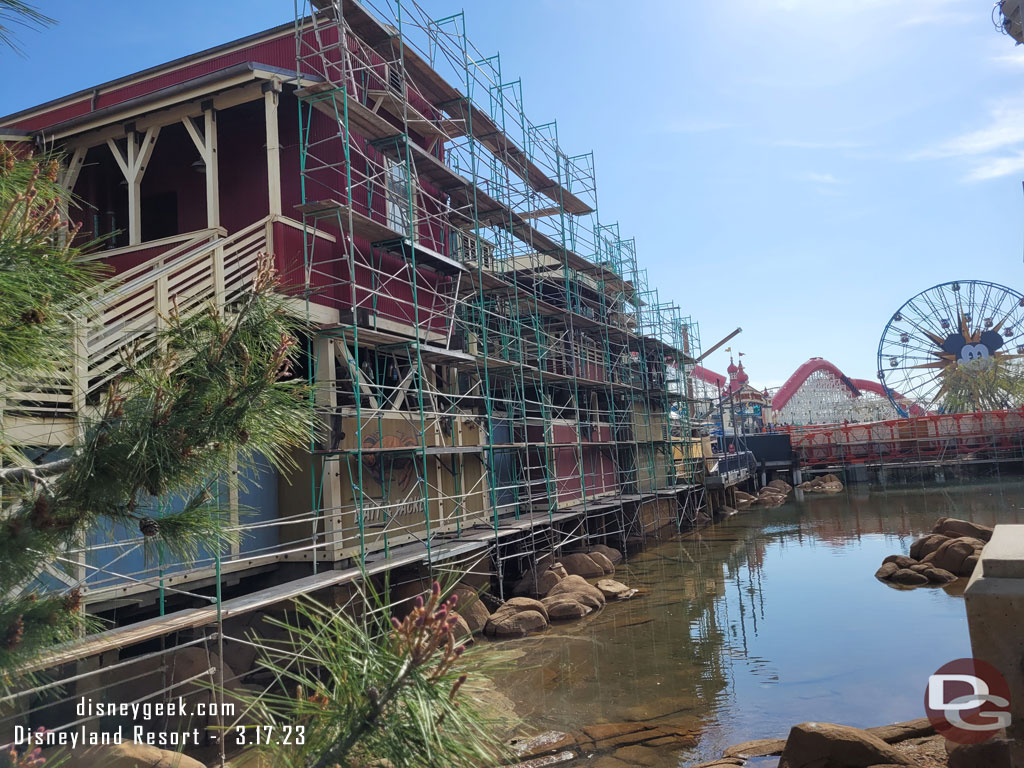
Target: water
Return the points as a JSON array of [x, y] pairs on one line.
[[768, 619]]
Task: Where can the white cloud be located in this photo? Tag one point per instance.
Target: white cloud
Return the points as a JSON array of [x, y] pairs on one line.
[[1013, 59], [994, 150], [937, 19], [997, 167], [801, 144], [696, 125], [821, 178]]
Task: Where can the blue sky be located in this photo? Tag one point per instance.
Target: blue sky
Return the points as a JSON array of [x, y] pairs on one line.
[[793, 167]]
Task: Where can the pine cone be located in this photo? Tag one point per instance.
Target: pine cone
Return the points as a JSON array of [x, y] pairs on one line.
[[149, 526], [15, 631]]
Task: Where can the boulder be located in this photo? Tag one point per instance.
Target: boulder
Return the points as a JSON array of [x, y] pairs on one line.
[[817, 745], [926, 545], [955, 528], [968, 565], [515, 624], [615, 590], [638, 755], [887, 570], [908, 578], [461, 628], [951, 554], [921, 567], [939, 576], [537, 583], [604, 562], [612, 554], [579, 564], [909, 729], [127, 755], [563, 608], [579, 590], [756, 748], [901, 561], [471, 608], [994, 753], [519, 604]]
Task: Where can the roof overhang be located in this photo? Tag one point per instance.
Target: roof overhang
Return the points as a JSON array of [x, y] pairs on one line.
[[220, 90]]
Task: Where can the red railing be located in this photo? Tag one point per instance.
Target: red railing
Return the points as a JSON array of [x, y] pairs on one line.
[[933, 438]]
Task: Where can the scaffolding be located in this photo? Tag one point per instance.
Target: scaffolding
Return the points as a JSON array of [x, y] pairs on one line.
[[499, 357]]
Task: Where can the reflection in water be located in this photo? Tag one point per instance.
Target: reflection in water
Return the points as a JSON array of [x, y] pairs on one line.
[[768, 619]]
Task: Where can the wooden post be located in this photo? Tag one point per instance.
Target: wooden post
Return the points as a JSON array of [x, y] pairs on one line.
[[133, 166], [326, 397], [270, 101], [205, 140]]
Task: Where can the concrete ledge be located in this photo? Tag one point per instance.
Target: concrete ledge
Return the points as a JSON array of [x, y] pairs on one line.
[[1003, 556]]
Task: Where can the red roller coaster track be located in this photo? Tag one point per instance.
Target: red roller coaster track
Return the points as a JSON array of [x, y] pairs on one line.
[[815, 364]]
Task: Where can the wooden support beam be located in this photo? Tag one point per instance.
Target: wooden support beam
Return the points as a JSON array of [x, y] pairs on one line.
[[326, 396], [270, 102], [205, 140], [133, 163]]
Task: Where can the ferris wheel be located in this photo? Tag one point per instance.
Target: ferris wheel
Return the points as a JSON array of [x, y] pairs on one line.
[[955, 348]]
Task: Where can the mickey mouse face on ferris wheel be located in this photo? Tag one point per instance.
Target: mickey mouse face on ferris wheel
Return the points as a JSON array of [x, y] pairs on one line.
[[978, 354]]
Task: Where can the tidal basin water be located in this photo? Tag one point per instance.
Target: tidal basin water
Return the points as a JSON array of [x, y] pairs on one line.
[[768, 619]]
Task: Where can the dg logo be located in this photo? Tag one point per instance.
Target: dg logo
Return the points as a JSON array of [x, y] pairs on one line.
[[968, 701]]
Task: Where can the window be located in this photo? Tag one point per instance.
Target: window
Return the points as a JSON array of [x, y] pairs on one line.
[[397, 196]]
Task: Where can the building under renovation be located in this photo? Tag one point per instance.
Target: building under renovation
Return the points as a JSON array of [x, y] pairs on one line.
[[495, 377]]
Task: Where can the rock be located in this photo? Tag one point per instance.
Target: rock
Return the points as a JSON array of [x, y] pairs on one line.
[[542, 743], [968, 566], [897, 732], [580, 590], [724, 762], [901, 560], [887, 570], [615, 590], [537, 583], [579, 564], [926, 545], [604, 562], [955, 528], [756, 748], [127, 755], [471, 608], [612, 554], [637, 754], [519, 604], [610, 762], [921, 567], [461, 628], [939, 576], [817, 745], [994, 753], [543, 762], [563, 607], [606, 731], [951, 554], [512, 624], [908, 578]]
